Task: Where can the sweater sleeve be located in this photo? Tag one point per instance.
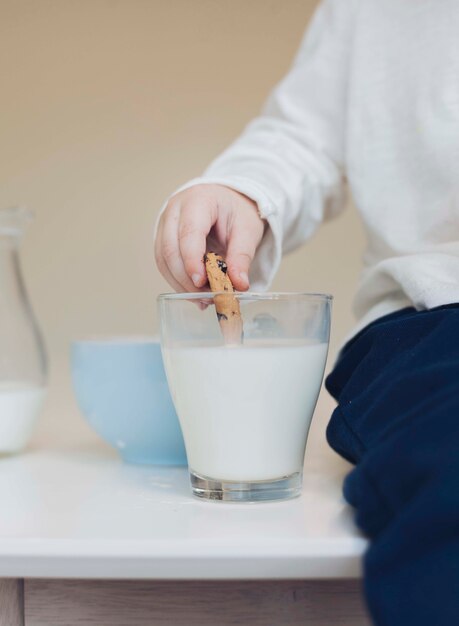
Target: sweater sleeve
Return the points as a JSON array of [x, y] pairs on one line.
[[290, 159]]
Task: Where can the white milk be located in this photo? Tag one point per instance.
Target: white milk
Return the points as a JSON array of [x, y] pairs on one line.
[[20, 404], [245, 410]]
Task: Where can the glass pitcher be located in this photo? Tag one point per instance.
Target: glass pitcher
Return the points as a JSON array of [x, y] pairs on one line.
[[23, 368]]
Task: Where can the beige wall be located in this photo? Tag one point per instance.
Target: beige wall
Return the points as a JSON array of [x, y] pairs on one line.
[[108, 105]]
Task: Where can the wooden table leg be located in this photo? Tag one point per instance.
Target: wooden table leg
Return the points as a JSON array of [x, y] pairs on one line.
[[11, 602]]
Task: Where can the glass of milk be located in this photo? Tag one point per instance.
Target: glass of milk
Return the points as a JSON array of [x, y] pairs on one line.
[[22, 352], [245, 409]]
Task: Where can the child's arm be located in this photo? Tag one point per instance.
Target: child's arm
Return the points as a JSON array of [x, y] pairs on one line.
[[287, 168]]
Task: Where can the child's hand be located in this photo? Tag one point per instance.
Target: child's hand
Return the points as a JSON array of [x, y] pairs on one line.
[[207, 218]]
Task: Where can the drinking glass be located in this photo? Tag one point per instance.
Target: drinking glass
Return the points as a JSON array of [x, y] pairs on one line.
[[245, 409]]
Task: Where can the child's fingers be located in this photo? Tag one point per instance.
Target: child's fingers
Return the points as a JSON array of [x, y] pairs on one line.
[[170, 249], [161, 263], [195, 224], [241, 250], [184, 229]]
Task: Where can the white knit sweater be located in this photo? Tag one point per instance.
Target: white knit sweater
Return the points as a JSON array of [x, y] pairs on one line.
[[373, 97]]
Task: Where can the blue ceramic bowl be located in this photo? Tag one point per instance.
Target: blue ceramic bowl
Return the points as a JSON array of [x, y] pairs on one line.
[[121, 389]]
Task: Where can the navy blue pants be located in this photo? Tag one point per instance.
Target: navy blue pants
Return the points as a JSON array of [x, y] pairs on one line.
[[397, 420]]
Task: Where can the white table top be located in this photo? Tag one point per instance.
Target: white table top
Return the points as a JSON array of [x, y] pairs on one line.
[[79, 512]]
